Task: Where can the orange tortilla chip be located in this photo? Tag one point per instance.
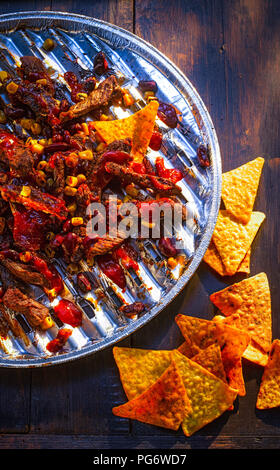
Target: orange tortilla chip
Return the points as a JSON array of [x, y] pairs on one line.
[[209, 396], [239, 189], [200, 334], [248, 307], [140, 368], [185, 349], [233, 239], [213, 259], [165, 403], [236, 379], [255, 354], [269, 392], [138, 127], [211, 359]]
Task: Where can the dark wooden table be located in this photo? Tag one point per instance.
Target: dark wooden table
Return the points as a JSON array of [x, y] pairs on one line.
[[230, 50]]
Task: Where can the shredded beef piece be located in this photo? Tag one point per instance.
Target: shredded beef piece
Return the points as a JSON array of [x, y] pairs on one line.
[[17, 156], [13, 323], [34, 312], [156, 183], [4, 327], [7, 279], [99, 97], [133, 309], [24, 272], [37, 98], [32, 69], [123, 145], [36, 200], [103, 245]]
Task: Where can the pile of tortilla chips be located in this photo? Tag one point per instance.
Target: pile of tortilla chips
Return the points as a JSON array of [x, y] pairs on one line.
[[237, 225], [168, 389]]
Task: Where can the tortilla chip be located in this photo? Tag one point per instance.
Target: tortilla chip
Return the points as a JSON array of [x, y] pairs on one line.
[[236, 379], [233, 239], [140, 368], [165, 403], [239, 189], [209, 396], [211, 359], [185, 349], [269, 392], [138, 127], [200, 334], [213, 259], [255, 354], [248, 307]]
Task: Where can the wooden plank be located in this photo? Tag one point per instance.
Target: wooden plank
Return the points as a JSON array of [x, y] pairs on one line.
[[14, 400], [17, 5]]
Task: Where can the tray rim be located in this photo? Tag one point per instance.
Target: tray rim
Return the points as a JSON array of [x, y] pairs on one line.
[[83, 21]]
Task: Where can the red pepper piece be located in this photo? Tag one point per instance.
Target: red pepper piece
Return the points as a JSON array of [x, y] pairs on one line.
[[68, 313], [156, 140], [172, 175], [112, 269], [57, 344]]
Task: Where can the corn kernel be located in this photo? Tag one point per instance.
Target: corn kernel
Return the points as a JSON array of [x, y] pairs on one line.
[[151, 98], [68, 191], [131, 190], [73, 268], [42, 81], [81, 96], [25, 257], [12, 88], [37, 148], [26, 123], [36, 128], [181, 259], [72, 181], [48, 44], [43, 142], [172, 262], [104, 117], [148, 94], [85, 128], [127, 198], [3, 75], [25, 191], [2, 117], [81, 178], [86, 155], [72, 207], [100, 147], [128, 100], [72, 160], [76, 221], [47, 323], [42, 165]]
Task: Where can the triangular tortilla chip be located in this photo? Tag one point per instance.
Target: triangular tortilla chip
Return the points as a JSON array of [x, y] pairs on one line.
[[269, 392], [213, 259], [236, 379], [239, 189], [165, 403], [233, 239], [211, 359], [140, 368], [200, 333], [209, 396], [138, 127], [248, 307]]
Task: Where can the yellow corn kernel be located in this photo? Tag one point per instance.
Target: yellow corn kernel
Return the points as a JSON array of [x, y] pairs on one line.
[[42, 81], [148, 224], [2, 117], [172, 262], [72, 207], [37, 148], [26, 123], [81, 96], [43, 142], [42, 165], [72, 181], [85, 128], [48, 44], [104, 117], [181, 259], [128, 100], [86, 155], [3, 75], [47, 323], [73, 268], [68, 191], [81, 178], [151, 98], [148, 94], [127, 198], [72, 160], [25, 257], [12, 88], [50, 141], [36, 128], [25, 191], [100, 147], [41, 178], [131, 190], [76, 221]]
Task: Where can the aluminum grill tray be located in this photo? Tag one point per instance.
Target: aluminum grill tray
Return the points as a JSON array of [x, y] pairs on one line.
[[78, 39]]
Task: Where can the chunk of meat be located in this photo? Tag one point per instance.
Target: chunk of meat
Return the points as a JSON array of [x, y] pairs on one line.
[[29, 228], [4, 327], [24, 272], [37, 200], [127, 176], [103, 245], [99, 97], [33, 311], [33, 69], [14, 154]]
